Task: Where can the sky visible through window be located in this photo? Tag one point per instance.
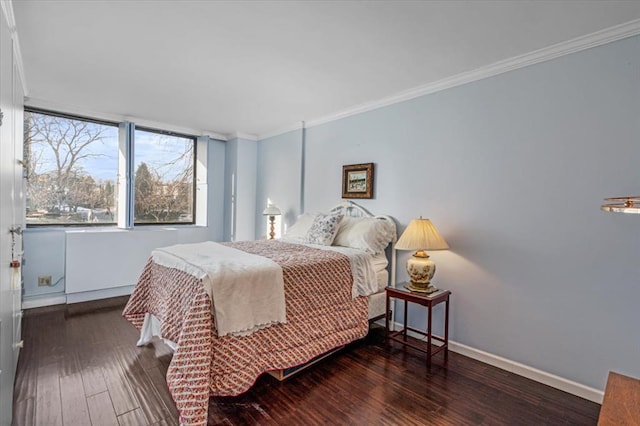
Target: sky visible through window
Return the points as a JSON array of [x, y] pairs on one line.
[[102, 166]]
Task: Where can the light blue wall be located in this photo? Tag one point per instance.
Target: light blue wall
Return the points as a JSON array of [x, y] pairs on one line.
[[512, 170], [240, 189], [216, 184], [230, 174], [279, 162]]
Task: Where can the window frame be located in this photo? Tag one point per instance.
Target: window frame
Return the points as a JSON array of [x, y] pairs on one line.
[[194, 139], [28, 109], [126, 148]]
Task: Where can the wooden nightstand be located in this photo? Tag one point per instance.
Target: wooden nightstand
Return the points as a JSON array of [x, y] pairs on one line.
[[428, 301]]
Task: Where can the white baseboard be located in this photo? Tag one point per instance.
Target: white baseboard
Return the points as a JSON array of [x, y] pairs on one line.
[[523, 370], [44, 300], [86, 296]]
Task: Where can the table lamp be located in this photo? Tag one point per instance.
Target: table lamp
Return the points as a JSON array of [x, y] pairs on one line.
[[271, 211], [421, 235]]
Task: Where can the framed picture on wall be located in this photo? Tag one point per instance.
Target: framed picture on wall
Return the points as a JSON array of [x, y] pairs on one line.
[[357, 181]]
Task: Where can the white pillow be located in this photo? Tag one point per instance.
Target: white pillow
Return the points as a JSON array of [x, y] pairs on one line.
[[324, 229], [365, 233], [298, 231]]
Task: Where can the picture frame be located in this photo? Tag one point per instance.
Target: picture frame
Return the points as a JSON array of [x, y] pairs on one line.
[[357, 180]]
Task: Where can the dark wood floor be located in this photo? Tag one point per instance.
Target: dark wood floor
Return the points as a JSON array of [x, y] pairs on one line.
[[80, 366]]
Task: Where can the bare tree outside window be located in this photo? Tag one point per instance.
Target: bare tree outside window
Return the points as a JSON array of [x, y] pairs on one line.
[[164, 176], [71, 167]]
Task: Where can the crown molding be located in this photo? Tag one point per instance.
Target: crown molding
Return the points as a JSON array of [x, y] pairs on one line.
[[7, 11], [18, 62], [84, 112], [240, 135], [215, 135], [282, 131], [608, 35]]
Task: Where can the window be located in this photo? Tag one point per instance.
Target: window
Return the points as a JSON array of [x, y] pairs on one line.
[[163, 184], [76, 172], [71, 167]]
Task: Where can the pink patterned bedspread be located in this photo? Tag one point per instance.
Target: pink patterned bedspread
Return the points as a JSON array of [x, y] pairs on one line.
[[321, 315]]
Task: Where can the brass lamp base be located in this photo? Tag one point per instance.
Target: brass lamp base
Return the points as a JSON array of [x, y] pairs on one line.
[[272, 227], [425, 288]]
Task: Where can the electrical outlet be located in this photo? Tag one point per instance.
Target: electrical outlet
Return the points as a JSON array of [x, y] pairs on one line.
[[44, 281]]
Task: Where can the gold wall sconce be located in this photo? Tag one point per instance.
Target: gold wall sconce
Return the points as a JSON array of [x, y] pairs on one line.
[[622, 204]]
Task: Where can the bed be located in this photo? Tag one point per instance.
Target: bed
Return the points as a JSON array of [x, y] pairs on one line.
[[330, 292]]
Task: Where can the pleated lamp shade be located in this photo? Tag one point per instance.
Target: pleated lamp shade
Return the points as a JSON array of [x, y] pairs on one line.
[[421, 235]]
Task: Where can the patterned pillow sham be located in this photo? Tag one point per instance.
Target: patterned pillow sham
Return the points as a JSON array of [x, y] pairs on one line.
[[324, 229]]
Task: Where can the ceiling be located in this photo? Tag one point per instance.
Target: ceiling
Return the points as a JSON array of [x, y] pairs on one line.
[[261, 67]]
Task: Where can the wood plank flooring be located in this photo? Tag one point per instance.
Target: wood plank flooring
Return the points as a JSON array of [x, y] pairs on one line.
[[80, 366]]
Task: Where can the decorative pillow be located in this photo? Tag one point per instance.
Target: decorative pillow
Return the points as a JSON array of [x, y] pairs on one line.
[[298, 231], [365, 233], [324, 229]]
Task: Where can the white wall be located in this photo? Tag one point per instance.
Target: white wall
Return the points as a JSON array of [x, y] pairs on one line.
[[100, 260], [11, 208], [512, 170]]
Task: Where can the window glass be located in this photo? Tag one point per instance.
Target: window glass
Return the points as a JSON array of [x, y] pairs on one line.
[[164, 177], [71, 169]]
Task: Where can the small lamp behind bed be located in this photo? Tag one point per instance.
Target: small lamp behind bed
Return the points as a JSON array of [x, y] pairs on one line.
[[271, 211], [421, 235]]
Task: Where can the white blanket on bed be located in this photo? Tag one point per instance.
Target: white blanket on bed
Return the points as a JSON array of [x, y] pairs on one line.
[[246, 290]]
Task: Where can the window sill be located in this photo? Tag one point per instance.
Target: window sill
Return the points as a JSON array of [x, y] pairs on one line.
[[113, 229]]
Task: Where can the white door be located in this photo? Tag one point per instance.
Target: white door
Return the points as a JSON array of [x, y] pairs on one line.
[[18, 185], [11, 216]]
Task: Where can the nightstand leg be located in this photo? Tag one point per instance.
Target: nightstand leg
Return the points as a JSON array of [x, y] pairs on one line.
[[446, 331], [387, 314], [429, 336], [404, 330]]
